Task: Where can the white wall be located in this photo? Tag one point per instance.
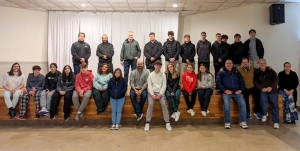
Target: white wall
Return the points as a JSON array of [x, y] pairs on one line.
[[23, 39], [281, 42]]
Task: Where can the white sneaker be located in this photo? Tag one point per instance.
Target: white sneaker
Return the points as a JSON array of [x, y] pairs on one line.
[[117, 127], [244, 125], [276, 125], [173, 115], [135, 115], [203, 113], [168, 127], [113, 127], [189, 111], [177, 115], [264, 118], [227, 125], [192, 112], [147, 127], [207, 112]]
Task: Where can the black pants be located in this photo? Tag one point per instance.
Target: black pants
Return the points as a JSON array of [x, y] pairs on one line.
[[101, 99], [295, 95], [205, 63], [256, 98], [67, 103], [190, 103], [204, 98], [217, 69], [110, 65]]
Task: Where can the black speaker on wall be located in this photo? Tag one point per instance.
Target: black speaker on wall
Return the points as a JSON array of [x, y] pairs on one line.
[[277, 14]]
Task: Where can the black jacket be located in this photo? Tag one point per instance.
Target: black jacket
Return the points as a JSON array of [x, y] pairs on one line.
[[219, 50], [172, 84], [171, 49], [188, 51], [288, 81], [117, 89], [259, 48], [152, 50], [203, 50], [106, 49], [51, 80], [236, 52], [80, 50], [264, 79]]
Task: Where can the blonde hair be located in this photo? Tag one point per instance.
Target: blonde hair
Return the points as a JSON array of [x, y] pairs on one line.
[[175, 73]]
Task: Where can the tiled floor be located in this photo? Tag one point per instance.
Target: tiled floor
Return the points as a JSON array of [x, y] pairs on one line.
[[133, 138]]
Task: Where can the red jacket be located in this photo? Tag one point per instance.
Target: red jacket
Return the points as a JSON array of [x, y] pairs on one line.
[[189, 81], [84, 82]]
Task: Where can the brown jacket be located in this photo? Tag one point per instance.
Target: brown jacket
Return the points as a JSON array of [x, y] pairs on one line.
[[248, 76]]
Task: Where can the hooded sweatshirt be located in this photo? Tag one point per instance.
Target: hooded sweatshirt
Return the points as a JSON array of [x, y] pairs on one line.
[[84, 82], [130, 49], [80, 49], [38, 82], [189, 81], [101, 81], [51, 80], [67, 86], [188, 51]]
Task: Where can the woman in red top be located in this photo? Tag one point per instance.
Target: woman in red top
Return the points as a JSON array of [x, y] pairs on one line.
[[189, 81]]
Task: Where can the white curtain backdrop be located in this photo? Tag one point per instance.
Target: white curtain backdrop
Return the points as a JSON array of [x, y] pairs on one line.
[[64, 27]]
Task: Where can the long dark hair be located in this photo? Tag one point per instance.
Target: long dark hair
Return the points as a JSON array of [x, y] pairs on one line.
[[64, 75], [114, 78], [100, 68], [11, 72], [199, 72]]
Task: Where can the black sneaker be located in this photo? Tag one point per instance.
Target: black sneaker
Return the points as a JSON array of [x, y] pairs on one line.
[[52, 117], [66, 118]]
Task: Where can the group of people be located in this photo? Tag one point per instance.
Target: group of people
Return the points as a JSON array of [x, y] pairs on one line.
[[239, 68]]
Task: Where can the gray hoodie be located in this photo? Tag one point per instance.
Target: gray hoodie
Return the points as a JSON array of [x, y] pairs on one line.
[[37, 82], [207, 80], [68, 85], [130, 50]]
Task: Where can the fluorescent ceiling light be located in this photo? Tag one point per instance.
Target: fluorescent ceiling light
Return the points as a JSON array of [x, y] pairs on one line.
[[174, 5], [82, 5]]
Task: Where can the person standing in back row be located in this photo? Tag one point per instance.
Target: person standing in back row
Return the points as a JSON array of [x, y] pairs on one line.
[[188, 52], [81, 52], [172, 49], [152, 51], [130, 53], [237, 51], [105, 52], [203, 51], [219, 52], [255, 49]]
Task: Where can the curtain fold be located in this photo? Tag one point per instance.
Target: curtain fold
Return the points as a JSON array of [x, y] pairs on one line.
[[65, 26]]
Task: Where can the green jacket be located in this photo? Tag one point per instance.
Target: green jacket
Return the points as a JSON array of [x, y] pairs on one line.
[[130, 50]]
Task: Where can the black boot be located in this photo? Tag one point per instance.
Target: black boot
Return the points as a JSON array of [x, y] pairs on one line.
[[12, 113]]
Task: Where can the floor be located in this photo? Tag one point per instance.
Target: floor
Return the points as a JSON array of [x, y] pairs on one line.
[[133, 138]]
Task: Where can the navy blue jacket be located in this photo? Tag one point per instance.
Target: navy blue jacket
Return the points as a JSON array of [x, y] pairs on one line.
[[230, 81], [117, 89]]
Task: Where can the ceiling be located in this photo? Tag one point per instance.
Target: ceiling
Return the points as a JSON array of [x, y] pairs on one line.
[[184, 7]]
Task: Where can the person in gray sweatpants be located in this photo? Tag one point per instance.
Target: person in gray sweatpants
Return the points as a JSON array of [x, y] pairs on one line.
[[157, 84], [49, 89], [83, 89]]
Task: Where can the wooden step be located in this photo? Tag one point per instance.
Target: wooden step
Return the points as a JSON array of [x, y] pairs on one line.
[[215, 108]]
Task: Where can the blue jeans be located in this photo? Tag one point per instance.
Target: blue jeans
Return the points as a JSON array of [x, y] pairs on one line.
[[274, 104], [127, 64], [239, 99], [138, 106], [76, 68], [117, 106]]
